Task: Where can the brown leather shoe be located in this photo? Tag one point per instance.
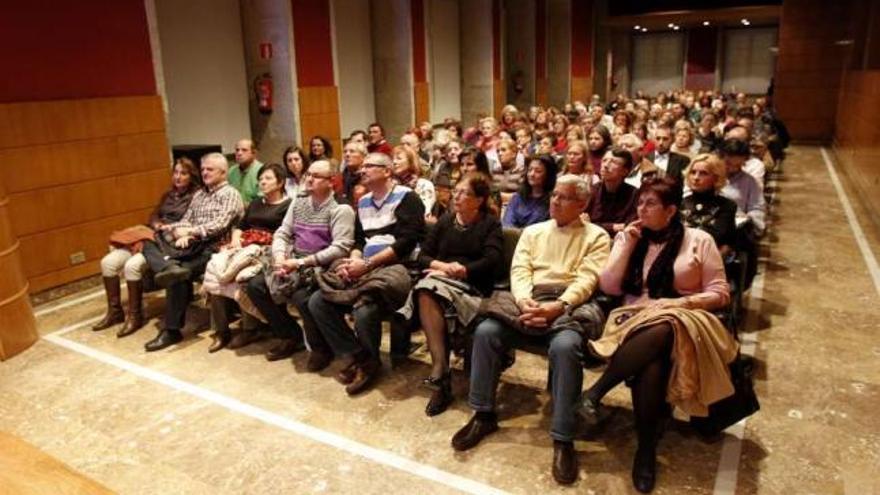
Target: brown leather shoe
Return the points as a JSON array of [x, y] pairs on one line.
[[219, 341], [565, 466], [365, 374], [287, 348], [318, 360], [243, 338], [479, 427], [135, 318]]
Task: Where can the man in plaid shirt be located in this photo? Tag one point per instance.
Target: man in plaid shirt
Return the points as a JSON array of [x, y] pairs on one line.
[[204, 227]]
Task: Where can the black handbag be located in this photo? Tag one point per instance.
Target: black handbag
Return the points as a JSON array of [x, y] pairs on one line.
[[742, 404], [165, 241]]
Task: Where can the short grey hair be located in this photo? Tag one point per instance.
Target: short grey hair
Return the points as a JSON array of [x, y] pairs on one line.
[[633, 139], [580, 184], [380, 159], [356, 147], [218, 159]]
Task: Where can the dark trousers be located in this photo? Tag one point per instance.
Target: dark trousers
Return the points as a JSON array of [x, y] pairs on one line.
[[492, 340], [283, 325], [178, 294], [366, 339]]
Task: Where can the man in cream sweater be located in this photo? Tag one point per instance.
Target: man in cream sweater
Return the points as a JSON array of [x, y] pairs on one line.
[[554, 272]]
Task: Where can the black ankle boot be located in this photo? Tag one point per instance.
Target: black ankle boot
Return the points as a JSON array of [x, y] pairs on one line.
[[644, 471], [442, 396]]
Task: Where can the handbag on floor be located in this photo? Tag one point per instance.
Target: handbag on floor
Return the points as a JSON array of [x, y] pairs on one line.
[[742, 404]]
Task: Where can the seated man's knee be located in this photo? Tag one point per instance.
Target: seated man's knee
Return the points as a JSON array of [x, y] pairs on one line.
[[489, 330], [567, 344]]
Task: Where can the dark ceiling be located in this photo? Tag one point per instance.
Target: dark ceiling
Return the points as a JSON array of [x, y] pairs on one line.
[[639, 7]]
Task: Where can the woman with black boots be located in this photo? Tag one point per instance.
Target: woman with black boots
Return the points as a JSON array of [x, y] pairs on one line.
[[664, 342]]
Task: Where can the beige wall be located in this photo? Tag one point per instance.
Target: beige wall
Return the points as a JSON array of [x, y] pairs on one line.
[[444, 59], [204, 74], [354, 64]]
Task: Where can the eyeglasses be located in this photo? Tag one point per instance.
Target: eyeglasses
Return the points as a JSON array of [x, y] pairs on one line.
[[368, 165]]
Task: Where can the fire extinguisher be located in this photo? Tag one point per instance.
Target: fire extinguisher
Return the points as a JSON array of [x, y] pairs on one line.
[[263, 93]]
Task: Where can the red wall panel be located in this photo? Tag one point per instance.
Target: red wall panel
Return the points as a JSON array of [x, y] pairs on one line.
[[582, 38], [312, 43], [418, 41], [67, 50], [701, 47]]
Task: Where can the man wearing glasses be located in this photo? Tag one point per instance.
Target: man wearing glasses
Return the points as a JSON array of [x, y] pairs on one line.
[[390, 223], [553, 275], [315, 232]]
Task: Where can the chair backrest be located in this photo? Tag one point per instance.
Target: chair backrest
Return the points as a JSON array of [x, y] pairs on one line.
[[511, 237]]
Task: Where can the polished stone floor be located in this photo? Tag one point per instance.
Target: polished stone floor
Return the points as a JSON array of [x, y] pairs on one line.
[[184, 421]]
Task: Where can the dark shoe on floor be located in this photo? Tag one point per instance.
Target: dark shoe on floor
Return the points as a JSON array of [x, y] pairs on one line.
[[346, 374], [318, 360], [164, 339], [287, 348], [479, 427], [365, 374], [644, 472], [591, 412], [442, 396], [243, 338], [565, 466], [174, 273], [220, 340]]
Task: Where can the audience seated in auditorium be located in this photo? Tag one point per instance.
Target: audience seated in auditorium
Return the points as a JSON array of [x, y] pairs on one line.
[[297, 163], [407, 172], [238, 261], [507, 171], [459, 260], [576, 162], [554, 274], [642, 167], [531, 204], [243, 175], [376, 142], [671, 277], [354, 153], [390, 223], [613, 202], [598, 141], [670, 163], [705, 208], [184, 247], [125, 255], [316, 231]]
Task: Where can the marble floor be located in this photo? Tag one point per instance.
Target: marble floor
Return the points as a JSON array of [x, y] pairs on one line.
[[184, 421]]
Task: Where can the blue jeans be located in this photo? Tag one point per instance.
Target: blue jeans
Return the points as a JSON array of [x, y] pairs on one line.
[[492, 340]]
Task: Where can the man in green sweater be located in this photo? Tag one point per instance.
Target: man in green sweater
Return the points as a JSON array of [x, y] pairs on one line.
[[243, 175]]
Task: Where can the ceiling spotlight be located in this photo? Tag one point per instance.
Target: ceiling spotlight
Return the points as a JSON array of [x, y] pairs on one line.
[[637, 27], [670, 25], [644, 30], [745, 22], [705, 23], [675, 28]]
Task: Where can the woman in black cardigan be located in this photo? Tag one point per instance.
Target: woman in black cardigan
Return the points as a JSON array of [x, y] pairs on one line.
[[459, 258], [705, 208]]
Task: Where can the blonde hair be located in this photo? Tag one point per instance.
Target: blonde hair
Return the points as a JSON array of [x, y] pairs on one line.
[[716, 168]]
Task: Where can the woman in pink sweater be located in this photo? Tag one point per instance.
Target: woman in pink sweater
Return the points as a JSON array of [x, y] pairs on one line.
[[658, 265]]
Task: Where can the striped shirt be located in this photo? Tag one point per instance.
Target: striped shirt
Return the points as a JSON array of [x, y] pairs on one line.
[[396, 221]]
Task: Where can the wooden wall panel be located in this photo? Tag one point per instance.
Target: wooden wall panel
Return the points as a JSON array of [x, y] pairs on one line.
[[319, 114], [810, 64], [53, 208], [45, 122], [56, 245], [421, 97], [499, 96], [581, 88], [49, 165], [75, 171], [541, 91], [857, 136]]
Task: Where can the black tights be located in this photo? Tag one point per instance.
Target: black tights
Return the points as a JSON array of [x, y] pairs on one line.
[[646, 357]]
